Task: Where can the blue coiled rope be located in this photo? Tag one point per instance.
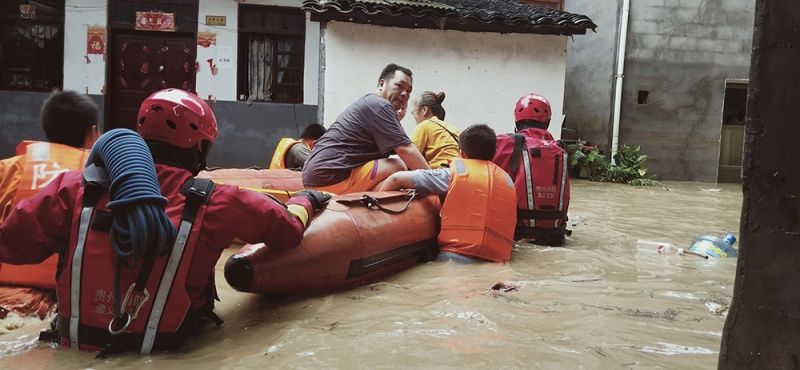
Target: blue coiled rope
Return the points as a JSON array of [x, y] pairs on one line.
[[141, 229]]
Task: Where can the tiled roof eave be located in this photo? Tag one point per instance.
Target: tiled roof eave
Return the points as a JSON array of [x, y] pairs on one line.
[[471, 18], [439, 23]]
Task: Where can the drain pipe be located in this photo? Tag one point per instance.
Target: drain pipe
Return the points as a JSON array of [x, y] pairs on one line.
[[619, 76]]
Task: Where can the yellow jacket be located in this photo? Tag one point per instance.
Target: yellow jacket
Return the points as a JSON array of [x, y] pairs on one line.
[[436, 140]]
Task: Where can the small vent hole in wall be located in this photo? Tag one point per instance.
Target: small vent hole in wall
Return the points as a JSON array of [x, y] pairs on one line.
[[642, 98]]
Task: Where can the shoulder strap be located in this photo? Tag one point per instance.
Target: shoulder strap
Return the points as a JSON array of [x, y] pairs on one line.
[[446, 130], [519, 146], [198, 192], [95, 184]]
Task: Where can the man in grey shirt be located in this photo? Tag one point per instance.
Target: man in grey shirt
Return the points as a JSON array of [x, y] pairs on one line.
[[353, 153]]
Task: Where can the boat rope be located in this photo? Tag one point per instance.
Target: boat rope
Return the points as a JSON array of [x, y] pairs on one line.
[[372, 202]]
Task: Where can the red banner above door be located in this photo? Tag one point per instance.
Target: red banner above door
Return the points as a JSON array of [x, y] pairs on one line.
[[155, 21]]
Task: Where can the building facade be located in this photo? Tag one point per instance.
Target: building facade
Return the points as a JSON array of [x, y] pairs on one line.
[[270, 67], [685, 74]]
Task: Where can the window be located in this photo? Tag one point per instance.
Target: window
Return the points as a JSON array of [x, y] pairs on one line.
[[271, 48], [641, 98], [31, 44]]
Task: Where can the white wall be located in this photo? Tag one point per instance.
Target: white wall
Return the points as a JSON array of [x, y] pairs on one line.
[[483, 74], [223, 85], [82, 72], [86, 73], [311, 67]]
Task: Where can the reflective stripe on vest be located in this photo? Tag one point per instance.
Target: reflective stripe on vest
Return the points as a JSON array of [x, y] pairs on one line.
[[479, 212], [563, 185], [165, 286], [75, 283], [279, 157], [526, 165]]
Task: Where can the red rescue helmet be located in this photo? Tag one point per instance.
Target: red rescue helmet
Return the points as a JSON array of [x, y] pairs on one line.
[[176, 117], [532, 107]]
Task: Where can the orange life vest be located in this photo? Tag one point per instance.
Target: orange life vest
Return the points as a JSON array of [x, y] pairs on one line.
[[479, 213], [279, 158], [41, 163]]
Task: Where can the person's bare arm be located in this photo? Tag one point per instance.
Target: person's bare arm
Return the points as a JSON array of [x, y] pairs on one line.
[[412, 157], [397, 181]]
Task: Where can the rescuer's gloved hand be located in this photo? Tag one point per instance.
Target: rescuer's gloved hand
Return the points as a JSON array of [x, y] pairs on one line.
[[317, 198]]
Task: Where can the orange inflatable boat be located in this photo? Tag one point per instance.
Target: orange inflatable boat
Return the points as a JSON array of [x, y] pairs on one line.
[[358, 238], [281, 184]]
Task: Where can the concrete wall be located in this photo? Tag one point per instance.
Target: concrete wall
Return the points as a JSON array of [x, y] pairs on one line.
[[19, 118], [681, 51], [590, 72], [483, 74], [248, 134]]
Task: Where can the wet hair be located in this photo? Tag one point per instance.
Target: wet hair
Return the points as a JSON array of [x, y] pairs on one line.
[[532, 123], [434, 102], [478, 141], [67, 117], [313, 131], [389, 71]]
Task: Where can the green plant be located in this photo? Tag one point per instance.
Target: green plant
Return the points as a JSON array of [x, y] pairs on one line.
[[629, 167]]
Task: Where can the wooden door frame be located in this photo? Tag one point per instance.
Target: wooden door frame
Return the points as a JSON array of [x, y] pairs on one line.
[[726, 85], [111, 31]]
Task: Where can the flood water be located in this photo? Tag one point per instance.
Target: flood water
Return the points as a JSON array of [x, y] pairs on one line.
[[596, 303]]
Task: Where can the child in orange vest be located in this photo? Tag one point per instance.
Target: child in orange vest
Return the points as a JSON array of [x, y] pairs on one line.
[[69, 121], [479, 212]]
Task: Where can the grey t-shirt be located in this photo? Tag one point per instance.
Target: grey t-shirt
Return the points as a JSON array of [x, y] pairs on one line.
[[296, 156], [367, 130], [431, 181]]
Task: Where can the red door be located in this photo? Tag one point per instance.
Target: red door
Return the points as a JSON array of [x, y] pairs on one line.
[[145, 62]]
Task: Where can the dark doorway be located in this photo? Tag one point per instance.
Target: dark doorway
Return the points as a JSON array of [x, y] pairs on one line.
[[142, 63], [732, 136]]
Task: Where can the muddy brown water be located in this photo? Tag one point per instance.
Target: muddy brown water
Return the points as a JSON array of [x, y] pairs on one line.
[[597, 303]]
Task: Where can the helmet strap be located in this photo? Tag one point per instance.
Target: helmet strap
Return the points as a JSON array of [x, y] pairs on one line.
[[190, 159], [530, 123]]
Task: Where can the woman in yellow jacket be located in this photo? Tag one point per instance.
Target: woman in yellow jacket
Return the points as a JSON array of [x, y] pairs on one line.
[[436, 139]]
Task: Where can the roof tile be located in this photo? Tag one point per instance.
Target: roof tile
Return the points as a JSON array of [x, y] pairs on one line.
[[501, 14]]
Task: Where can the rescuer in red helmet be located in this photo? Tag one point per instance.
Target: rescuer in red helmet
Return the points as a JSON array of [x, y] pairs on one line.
[[538, 165], [157, 302]]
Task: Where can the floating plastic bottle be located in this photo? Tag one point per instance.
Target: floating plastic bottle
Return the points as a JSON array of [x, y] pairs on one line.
[[658, 247], [714, 247]]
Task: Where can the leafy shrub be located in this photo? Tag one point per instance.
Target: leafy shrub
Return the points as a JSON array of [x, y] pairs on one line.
[[629, 168]]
